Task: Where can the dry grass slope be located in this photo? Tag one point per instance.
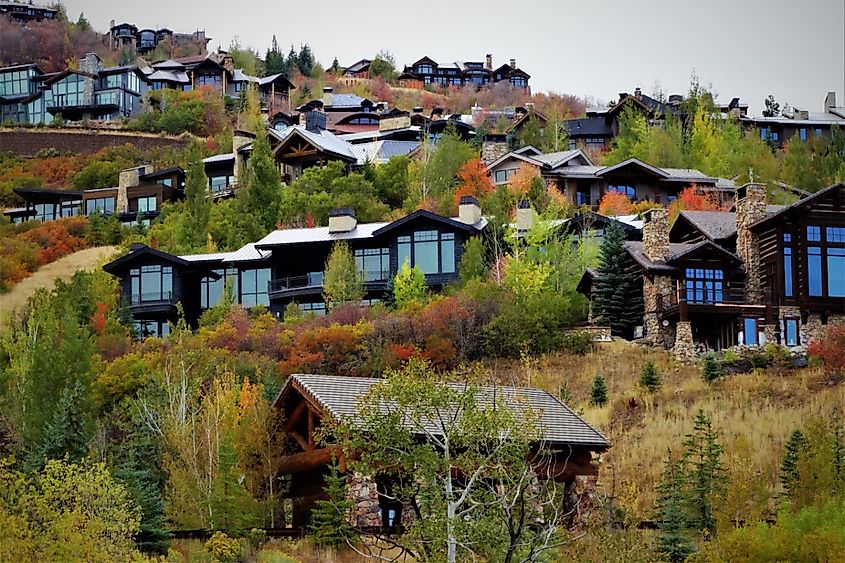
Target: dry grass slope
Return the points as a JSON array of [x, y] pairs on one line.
[[46, 276]]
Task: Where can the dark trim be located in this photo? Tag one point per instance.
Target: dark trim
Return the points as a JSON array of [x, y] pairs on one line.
[[422, 213]]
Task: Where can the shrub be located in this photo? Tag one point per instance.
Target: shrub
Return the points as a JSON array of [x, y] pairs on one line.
[[578, 343], [711, 370], [830, 349], [223, 548], [650, 379], [598, 392]]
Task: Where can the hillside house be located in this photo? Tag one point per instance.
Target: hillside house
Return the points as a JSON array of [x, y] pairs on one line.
[[129, 37], [800, 123], [759, 274], [426, 72], [309, 401], [25, 12]]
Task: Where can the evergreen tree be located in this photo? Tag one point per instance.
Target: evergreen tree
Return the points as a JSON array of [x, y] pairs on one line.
[[66, 435], [598, 392], [230, 501], [305, 60], [274, 60], [673, 542], [649, 378], [705, 475], [197, 206], [329, 524], [790, 473], [335, 68], [82, 23], [342, 282], [617, 292], [292, 62], [261, 193], [711, 370], [772, 107], [473, 262]]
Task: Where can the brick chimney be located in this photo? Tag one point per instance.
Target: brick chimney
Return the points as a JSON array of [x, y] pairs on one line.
[[469, 210], [656, 234], [829, 101], [489, 64], [750, 208], [328, 96], [525, 216], [342, 220]]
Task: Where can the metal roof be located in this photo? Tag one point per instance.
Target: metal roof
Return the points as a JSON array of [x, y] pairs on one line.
[[379, 152], [323, 139], [318, 234], [340, 397], [247, 253], [219, 158]]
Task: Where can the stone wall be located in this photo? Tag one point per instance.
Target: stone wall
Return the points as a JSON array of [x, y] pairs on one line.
[[750, 209], [684, 348], [656, 234], [362, 490], [813, 327], [491, 151], [579, 499], [597, 333], [652, 290], [28, 141]]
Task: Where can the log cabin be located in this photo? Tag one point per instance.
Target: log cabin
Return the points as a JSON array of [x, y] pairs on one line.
[[309, 401], [760, 274]]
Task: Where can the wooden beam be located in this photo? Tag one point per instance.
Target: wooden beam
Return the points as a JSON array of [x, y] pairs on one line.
[[564, 470], [295, 415], [307, 461], [310, 428], [303, 443]]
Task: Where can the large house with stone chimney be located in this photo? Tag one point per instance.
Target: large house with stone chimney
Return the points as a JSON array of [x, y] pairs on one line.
[[584, 184], [760, 274], [426, 72], [287, 265], [139, 196], [310, 401], [800, 123]]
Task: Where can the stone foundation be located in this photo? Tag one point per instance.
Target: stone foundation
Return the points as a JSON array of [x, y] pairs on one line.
[[579, 499], [684, 348], [362, 490], [772, 333], [653, 294], [597, 333]]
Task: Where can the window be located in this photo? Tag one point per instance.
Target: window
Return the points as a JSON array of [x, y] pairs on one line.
[[775, 136], [213, 80], [814, 234], [594, 141], [791, 334], [146, 329], [69, 92], [764, 133], [151, 283], [582, 195], [836, 272], [254, 287], [373, 263], [814, 270], [818, 133], [107, 98], [113, 81], [318, 308], [503, 176], [165, 182], [134, 82], [424, 69], [211, 290], [518, 81], [704, 285], [104, 205], [629, 191], [238, 86], [146, 204], [802, 133], [749, 329], [219, 183], [787, 271], [45, 212], [14, 83], [71, 208], [430, 251], [835, 235]]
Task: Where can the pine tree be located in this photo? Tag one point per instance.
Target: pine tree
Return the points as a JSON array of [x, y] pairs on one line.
[[650, 379], [329, 524], [197, 206], [274, 61], [617, 292], [673, 542], [260, 195], [342, 283], [790, 474], [305, 60], [65, 436], [598, 392], [705, 475], [712, 370], [335, 68]]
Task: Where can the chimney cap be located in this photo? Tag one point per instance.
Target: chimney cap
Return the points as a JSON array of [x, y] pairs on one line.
[[418, 109], [328, 89], [523, 204], [342, 212], [469, 200], [650, 214]]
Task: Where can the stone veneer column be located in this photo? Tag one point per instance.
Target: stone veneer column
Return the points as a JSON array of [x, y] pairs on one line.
[[579, 499], [362, 490], [772, 333], [656, 249], [750, 208], [684, 348]]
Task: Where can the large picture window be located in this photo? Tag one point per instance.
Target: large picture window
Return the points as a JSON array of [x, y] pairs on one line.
[[151, 283], [211, 290], [704, 285], [373, 263], [787, 266], [432, 252], [104, 205], [254, 287], [629, 191], [148, 203], [826, 261]]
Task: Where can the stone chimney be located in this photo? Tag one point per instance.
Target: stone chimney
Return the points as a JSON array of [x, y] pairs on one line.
[[638, 93], [342, 220], [829, 101], [228, 63], [240, 139], [315, 121], [469, 210], [525, 216], [513, 63], [129, 178], [656, 234], [750, 208], [328, 96], [489, 64], [91, 63]]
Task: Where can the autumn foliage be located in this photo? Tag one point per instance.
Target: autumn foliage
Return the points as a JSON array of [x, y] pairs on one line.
[[693, 198], [830, 348], [474, 181], [614, 204]]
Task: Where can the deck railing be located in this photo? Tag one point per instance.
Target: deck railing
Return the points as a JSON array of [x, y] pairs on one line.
[[159, 297]]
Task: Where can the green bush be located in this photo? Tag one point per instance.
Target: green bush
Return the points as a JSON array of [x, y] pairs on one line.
[[650, 379], [711, 370], [578, 343], [223, 548]]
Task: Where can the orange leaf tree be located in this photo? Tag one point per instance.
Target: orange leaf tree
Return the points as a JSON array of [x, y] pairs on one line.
[[615, 203], [474, 180]]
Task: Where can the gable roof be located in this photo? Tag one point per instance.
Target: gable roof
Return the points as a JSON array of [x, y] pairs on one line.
[[323, 139], [715, 225], [548, 161], [800, 203], [633, 162], [339, 396], [116, 265], [423, 213]]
